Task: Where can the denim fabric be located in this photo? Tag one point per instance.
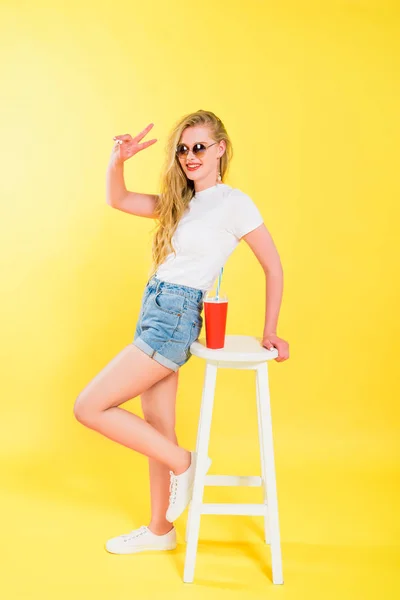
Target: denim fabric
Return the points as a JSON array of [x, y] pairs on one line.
[[169, 322]]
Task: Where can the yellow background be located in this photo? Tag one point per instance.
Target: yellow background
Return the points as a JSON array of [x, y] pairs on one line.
[[309, 93]]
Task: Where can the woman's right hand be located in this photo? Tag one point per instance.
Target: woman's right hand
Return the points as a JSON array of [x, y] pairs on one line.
[[127, 146]]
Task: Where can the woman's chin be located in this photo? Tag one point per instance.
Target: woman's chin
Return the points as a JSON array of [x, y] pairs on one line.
[[194, 176]]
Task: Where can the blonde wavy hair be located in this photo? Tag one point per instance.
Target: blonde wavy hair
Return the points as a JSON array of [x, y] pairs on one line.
[[176, 190]]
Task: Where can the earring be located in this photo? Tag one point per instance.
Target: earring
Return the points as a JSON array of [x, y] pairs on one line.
[[219, 175]]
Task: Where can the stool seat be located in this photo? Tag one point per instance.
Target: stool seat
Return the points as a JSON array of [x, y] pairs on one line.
[[237, 348], [241, 352]]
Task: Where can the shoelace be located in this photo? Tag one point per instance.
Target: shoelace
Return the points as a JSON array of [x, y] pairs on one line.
[[134, 533], [173, 486]]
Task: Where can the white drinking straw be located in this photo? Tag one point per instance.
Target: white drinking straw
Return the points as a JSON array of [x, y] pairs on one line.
[[219, 282]]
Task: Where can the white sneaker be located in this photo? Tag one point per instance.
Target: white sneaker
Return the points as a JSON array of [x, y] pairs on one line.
[[181, 488], [141, 539]]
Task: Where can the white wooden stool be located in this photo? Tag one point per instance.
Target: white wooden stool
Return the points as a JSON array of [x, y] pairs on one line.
[[240, 352]]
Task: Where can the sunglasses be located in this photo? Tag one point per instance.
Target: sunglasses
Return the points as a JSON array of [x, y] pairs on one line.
[[198, 149]]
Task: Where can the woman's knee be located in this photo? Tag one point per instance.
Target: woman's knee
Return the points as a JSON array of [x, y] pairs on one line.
[[82, 410], [163, 424]]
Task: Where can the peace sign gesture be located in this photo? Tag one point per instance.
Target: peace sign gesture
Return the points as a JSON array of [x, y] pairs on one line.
[[127, 146]]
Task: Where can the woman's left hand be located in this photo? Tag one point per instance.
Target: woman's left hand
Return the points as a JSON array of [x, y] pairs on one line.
[[270, 340]]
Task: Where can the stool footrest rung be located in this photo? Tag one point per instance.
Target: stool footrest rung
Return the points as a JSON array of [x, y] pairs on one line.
[[221, 508], [233, 480]]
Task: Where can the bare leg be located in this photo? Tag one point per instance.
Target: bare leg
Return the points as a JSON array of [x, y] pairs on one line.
[[129, 374], [158, 405]]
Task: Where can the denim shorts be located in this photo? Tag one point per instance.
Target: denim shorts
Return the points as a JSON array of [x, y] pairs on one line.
[[169, 322]]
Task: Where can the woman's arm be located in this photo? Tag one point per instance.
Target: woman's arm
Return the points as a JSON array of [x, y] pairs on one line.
[[261, 242], [117, 196], [273, 300]]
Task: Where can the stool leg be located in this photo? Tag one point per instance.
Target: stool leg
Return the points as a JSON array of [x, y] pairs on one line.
[[193, 526], [200, 421], [263, 475], [269, 462]]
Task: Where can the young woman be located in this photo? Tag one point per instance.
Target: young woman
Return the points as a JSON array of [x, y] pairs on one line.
[[200, 222]]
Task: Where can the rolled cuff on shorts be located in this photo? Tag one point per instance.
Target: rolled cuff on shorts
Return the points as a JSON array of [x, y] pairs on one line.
[[163, 360]]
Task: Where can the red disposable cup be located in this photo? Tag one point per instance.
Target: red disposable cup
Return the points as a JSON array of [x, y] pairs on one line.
[[215, 312]]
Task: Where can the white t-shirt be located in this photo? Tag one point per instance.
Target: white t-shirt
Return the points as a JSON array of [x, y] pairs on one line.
[[207, 233]]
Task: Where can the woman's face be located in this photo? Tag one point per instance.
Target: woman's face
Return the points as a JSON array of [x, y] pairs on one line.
[[205, 165]]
